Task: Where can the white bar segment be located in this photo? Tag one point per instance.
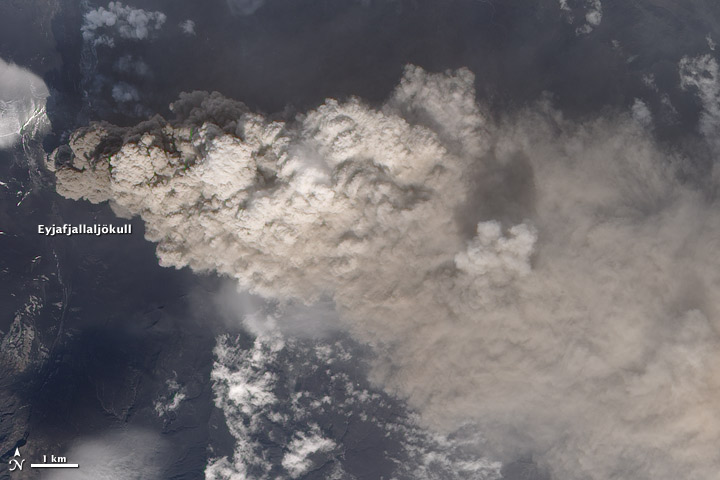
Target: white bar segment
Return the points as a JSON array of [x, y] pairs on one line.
[[54, 465]]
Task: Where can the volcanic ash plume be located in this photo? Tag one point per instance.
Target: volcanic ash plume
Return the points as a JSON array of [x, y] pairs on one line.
[[548, 280]]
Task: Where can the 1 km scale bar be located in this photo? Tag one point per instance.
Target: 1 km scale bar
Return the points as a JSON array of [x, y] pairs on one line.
[[55, 461]]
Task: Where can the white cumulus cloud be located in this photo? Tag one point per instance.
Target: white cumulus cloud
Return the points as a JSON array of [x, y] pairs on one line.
[[276, 393], [589, 10], [102, 25], [244, 7], [171, 401], [188, 27]]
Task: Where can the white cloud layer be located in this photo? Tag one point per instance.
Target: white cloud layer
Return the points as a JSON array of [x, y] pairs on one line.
[[550, 281], [120, 455], [297, 460], [22, 104], [589, 10]]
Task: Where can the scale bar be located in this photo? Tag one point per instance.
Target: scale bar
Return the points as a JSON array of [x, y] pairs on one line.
[[54, 465]]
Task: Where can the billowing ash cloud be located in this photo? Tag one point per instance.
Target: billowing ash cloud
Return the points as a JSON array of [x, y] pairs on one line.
[[22, 104], [101, 25], [550, 281]]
